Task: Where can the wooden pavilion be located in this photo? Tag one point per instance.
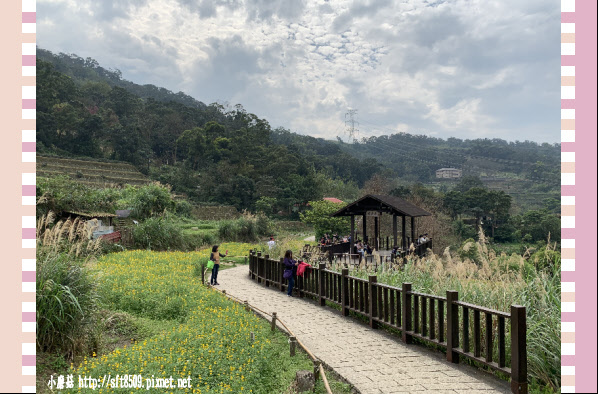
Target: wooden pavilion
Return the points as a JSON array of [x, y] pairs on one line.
[[395, 206]]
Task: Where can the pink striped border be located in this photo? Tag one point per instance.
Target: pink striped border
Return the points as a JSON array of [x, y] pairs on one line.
[[578, 370], [578, 195], [28, 235], [568, 196]]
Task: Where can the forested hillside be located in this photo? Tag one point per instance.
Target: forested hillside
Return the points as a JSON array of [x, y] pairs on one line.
[[211, 153], [226, 155]]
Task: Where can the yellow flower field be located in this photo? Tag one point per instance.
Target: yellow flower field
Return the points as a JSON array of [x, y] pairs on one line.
[[211, 346]]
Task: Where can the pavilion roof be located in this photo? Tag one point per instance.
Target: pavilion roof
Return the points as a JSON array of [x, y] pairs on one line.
[[382, 203], [92, 214]]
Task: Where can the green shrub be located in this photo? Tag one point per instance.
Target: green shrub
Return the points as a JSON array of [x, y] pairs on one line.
[[183, 208], [197, 240], [263, 225], [239, 230], [247, 228], [546, 259], [463, 230], [319, 216], [66, 302], [150, 200], [469, 250], [157, 233]]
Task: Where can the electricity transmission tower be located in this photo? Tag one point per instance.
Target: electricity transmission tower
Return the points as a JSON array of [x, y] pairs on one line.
[[350, 123]]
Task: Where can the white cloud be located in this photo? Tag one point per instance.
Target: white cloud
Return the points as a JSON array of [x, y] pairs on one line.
[[465, 68]]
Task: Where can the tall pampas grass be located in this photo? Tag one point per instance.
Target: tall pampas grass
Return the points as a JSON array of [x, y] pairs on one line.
[[496, 281], [69, 236]]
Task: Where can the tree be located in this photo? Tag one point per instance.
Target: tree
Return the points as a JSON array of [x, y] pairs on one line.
[[319, 217], [378, 184], [455, 203], [243, 189], [539, 224], [498, 205], [476, 201], [266, 205]]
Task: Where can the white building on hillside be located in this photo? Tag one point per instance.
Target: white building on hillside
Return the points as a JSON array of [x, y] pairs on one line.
[[448, 173]]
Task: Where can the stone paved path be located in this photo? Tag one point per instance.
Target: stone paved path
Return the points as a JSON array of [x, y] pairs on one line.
[[371, 360]]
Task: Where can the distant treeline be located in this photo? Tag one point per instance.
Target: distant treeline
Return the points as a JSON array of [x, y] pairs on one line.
[[419, 156]]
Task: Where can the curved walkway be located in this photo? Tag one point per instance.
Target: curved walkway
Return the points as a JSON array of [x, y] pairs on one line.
[[371, 360]]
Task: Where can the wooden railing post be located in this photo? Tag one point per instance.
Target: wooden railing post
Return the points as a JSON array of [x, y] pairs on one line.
[[267, 270], [255, 265], [273, 324], [293, 345], [518, 350], [251, 264], [322, 284], [373, 300], [406, 295], [258, 265], [280, 274], [452, 326], [316, 370], [203, 274], [345, 291]]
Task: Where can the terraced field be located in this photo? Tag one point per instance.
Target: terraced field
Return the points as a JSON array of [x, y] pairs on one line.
[[89, 172]]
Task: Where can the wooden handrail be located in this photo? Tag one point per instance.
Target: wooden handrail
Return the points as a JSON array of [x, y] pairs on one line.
[[415, 314]]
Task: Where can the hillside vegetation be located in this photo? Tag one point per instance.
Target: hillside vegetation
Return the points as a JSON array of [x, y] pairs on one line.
[[215, 153]]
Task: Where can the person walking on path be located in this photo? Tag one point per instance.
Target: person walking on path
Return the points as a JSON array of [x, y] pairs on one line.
[[215, 256], [289, 266]]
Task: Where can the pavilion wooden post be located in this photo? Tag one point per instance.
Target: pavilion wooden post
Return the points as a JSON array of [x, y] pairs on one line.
[[394, 229], [365, 236], [413, 229], [352, 235], [404, 233]]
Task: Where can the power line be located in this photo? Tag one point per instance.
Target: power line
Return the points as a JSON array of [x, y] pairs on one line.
[[351, 129]]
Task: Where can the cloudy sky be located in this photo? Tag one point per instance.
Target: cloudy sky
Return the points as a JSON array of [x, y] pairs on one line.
[[454, 68]]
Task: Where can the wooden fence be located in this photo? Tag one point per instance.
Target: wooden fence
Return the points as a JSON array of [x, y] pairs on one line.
[[441, 321]]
